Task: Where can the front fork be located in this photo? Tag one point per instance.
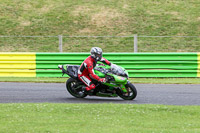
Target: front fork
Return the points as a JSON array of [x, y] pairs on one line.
[[123, 88]]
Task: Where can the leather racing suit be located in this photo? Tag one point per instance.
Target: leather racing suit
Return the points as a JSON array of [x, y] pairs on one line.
[[86, 72]]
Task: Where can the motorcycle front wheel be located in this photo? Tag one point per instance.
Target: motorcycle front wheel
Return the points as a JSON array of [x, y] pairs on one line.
[[130, 94], [74, 88]]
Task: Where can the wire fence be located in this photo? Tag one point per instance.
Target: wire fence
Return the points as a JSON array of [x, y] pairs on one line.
[[133, 43]]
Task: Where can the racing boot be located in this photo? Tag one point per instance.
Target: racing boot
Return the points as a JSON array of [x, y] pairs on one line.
[[87, 90]]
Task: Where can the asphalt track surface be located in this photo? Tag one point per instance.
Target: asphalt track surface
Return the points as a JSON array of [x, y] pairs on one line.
[[167, 94]]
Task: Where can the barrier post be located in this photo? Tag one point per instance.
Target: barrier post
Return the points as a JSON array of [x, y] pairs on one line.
[[60, 42], [135, 44]]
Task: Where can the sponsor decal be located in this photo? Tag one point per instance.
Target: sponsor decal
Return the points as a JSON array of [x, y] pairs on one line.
[[121, 78]]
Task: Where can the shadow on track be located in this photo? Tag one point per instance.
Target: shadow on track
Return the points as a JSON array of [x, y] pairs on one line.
[[95, 100]]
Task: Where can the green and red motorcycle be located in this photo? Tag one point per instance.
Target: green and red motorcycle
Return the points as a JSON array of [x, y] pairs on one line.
[[116, 84]]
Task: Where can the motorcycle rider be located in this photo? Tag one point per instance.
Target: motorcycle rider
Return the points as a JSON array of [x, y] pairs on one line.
[[86, 70]]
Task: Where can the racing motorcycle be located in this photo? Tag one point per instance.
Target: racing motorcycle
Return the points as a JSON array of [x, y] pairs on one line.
[[116, 84]]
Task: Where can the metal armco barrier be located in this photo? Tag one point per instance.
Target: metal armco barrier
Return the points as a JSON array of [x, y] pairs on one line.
[[137, 64], [17, 65], [198, 64]]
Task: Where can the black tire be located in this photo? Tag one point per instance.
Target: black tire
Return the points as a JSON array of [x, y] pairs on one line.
[[132, 92], [70, 88]]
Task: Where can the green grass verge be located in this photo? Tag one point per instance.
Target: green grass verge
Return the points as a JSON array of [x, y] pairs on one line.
[[133, 80], [99, 18], [98, 118]]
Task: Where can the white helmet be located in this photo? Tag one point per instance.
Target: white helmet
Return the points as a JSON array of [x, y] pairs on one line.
[[96, 53]]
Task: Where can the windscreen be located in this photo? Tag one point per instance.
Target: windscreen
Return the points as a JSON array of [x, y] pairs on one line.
[[117, 70]]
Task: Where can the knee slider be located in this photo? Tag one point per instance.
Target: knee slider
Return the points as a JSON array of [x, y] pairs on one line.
[[92, 86]]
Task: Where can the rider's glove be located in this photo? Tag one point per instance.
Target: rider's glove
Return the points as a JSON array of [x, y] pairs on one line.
[[102, 80]]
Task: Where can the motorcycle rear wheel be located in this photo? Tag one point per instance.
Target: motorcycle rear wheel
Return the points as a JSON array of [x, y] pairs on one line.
[[70, 85], [131, 92]]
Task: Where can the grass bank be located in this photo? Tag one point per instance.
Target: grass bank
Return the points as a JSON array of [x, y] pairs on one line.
[[133, 80], [99, 18], [98, 118]]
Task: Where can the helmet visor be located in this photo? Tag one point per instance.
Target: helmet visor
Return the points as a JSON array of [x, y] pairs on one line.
[[98, 57]]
